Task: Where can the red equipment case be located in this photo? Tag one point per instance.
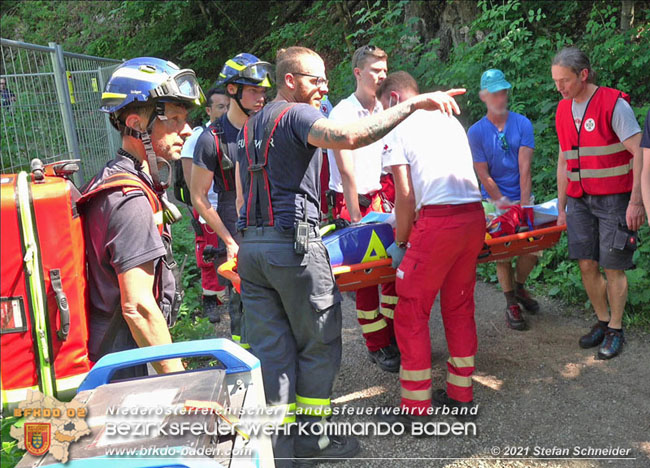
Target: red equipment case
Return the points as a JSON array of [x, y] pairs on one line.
[[44, 335]]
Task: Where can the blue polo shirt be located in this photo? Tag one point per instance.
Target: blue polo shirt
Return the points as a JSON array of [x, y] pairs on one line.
[[503, 164]]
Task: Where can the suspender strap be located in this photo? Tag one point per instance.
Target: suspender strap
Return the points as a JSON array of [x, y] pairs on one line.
[[260, 188], [226, 166]]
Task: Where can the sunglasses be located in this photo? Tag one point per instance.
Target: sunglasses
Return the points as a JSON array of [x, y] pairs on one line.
[[320, 80], [502, 139]]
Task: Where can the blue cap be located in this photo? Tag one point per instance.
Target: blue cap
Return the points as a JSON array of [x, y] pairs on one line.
[[494, 80]]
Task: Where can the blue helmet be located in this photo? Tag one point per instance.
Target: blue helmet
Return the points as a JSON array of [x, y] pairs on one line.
[[146, 79], [246, 69]]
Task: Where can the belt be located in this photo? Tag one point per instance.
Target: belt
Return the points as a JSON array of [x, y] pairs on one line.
[[252, 233], [449, 210]]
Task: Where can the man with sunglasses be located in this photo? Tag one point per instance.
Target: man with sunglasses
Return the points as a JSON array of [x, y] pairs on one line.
[[502, 145], [292, 303], [132, 289], [246, 80], [355, 180]]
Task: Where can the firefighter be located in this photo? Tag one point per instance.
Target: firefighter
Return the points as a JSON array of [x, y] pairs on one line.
[[434, 177], [292, 303], [246, 80], [134, 296]]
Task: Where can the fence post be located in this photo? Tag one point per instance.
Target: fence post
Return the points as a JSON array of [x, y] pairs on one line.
[[109, 126], [63, 93]]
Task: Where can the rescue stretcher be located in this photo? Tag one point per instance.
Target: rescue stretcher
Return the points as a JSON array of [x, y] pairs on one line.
[[234, 384], [374, 272]]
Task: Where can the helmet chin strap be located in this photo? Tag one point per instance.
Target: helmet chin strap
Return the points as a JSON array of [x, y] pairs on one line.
[[152, 159], [237, 97]]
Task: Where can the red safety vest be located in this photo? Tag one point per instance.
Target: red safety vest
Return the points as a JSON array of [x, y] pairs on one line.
[[597, 162]]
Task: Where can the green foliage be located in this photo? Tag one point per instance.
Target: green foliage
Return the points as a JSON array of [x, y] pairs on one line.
[[518, 36], [10, 455], [189, 325]]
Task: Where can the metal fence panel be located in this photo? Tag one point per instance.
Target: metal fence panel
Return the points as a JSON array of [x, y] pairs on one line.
[[49, 107]]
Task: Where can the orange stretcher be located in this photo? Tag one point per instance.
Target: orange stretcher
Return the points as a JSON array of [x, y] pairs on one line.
[[362, 275]]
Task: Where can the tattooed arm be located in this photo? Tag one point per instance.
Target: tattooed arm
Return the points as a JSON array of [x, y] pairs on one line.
[[331, 134]]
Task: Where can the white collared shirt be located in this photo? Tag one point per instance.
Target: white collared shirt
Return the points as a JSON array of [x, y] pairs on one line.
[[435, 146], [367, 160]]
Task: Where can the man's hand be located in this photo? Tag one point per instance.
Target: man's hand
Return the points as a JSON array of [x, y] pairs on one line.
[[440, 100], [503, 203], [561, 218], [634, 216], [231, 250], [396, 254]]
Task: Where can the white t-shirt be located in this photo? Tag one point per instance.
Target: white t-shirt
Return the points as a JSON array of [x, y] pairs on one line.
[[367, 160], [188, 152], [436, 148]]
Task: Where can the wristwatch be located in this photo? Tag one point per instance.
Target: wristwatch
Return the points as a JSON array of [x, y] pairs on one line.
[[401, 245]]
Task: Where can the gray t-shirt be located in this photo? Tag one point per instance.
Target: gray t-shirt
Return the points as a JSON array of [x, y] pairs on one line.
[[623, 120], [121, 234]]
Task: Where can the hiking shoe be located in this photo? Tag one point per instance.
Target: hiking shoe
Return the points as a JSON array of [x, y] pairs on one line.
[[463, 414], [514, 318], [340, 448], [211, 309], [612, 344], [526, 300], [387, 358], [594, 337]]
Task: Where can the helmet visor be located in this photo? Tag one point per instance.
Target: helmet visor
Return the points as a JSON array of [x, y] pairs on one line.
[[182, 86], [260, 72]]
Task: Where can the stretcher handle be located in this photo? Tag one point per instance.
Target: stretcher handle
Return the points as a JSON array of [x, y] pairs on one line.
[[526, 235], [231, 355], [228, 270], [361, 266]]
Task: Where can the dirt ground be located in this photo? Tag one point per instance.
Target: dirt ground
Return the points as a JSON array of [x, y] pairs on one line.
[[536, 390]]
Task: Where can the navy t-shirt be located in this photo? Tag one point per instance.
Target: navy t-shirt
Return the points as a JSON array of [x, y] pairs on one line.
[[205, 151], [293, 167]]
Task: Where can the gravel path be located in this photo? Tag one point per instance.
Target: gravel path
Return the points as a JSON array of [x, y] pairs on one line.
[[536, 390]]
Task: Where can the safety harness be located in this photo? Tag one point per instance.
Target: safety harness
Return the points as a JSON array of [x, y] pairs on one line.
[[259, 177], [128, 183], [226, 165]]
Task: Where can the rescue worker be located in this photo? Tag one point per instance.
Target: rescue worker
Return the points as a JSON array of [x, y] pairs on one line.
[[214, 293], [246, 80], [292, 303], [436, 253], [132, 289], [502, 144], [355, 180], [598, 180]]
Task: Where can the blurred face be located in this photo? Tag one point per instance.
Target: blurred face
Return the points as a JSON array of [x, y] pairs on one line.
[[567, 82], [168, 135], [3, 83], [309, 83], [496, 103], [218, 106], [371, 75]]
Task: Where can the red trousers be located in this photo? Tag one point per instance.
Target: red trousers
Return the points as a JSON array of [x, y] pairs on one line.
[[443, 249], [374, 314], [209, 278]]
